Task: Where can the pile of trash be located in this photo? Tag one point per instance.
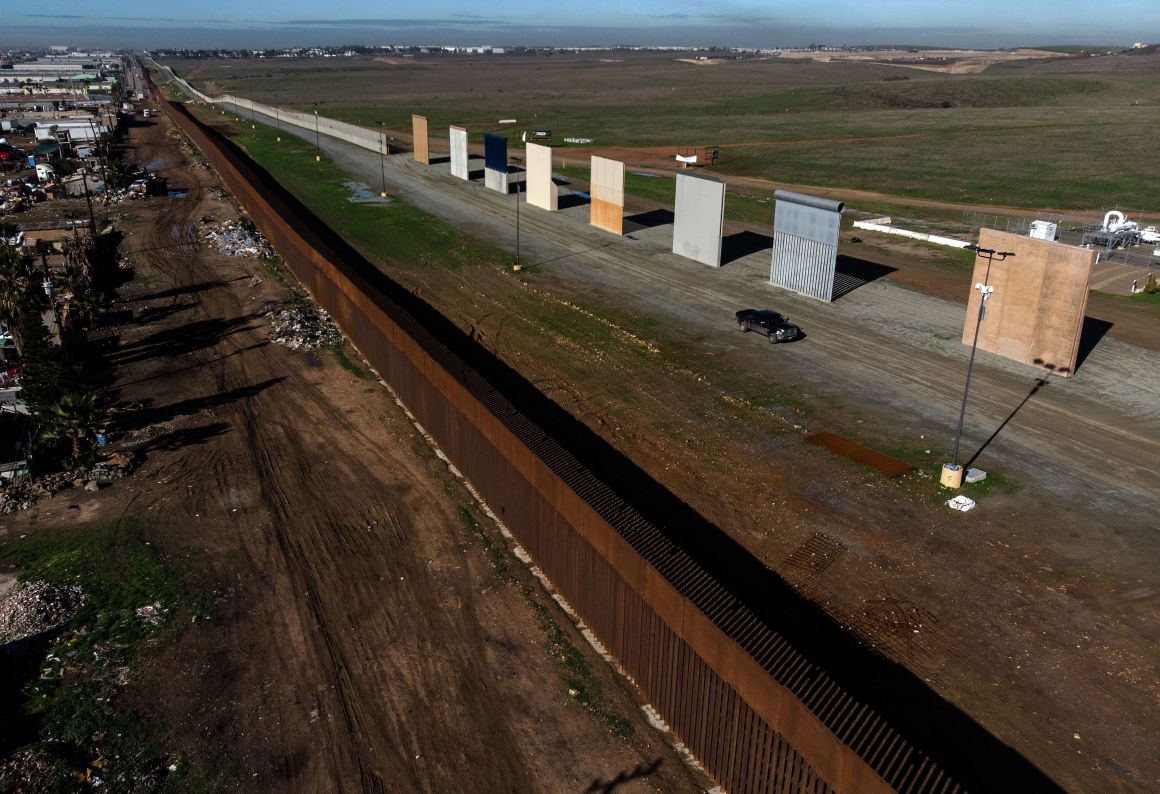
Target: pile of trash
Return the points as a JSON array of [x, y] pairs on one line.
[[31, 608], [236, 238], [302, 326], [22, 493]]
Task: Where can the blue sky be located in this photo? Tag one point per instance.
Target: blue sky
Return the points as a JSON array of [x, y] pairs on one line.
[[772, 23]]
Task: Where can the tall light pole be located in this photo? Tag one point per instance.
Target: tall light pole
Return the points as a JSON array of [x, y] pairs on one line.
[[277, 118], [516, 265], [253, 121], [383, 156], [317, 145], [952, 475]]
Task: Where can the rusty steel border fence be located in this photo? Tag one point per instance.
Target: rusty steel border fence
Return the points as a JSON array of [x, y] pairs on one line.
[[768, 696]]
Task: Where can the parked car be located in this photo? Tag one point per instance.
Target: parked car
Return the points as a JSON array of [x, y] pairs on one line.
[[764, 321]]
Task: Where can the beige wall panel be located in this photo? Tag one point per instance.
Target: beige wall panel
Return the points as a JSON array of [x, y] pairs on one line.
[[1035, 316], [419, 134], [607, 190], [541, 189], [607, 216], [607, 181]]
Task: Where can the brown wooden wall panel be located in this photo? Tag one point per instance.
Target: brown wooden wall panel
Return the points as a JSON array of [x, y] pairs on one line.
[[1035, 315], [420, 141], [742, 699], [607, 216]]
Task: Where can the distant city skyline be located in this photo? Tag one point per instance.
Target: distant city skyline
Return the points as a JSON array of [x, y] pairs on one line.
[[734, 23]]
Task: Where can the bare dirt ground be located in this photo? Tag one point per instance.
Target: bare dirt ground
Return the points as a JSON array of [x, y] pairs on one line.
[[943, 61], [363, 640], [1036, 613]]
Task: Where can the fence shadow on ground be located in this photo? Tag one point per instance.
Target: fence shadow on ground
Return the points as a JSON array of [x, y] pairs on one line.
[[850, 273], [742, 244], [1094, 329], [647, 220]]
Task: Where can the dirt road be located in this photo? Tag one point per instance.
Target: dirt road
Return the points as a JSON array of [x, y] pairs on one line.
[[364, 641]]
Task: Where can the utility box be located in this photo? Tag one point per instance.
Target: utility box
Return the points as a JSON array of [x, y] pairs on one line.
[[1044, 230]]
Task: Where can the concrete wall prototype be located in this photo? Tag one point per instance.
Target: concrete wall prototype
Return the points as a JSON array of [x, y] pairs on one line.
[[1035, 315], [699, 218], [805, 243], [542, 191], [495, 162], [459, 152], [607, 189], [419, 137]]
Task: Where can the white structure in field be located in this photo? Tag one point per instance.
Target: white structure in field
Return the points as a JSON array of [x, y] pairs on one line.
[[542, 190], [459, 152], [699, 218]]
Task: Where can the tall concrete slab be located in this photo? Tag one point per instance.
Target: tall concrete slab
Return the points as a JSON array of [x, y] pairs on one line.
[[421, 144], [542, 191], [495, 162], [805, 243], [459, 152], [607, 190], [699, 218], [1035, 313]]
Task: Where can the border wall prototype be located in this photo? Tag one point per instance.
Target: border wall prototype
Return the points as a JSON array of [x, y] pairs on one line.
[[1035, 315], [420, 142], [699, 218], [805, 243], [495, 162], [766, 690], [607, 190], [458, 137], [542, 191]]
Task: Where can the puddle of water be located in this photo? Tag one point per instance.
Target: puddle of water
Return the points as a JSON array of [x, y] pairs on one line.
[[642, 173], [362, 194], [176, 193]]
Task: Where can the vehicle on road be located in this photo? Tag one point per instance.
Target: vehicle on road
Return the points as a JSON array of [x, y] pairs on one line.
[[765, 321]]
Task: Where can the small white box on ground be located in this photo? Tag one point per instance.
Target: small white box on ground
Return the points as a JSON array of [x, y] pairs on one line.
[[975, 475]]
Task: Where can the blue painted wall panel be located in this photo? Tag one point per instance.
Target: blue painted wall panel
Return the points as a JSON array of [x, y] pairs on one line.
[[495, 152]]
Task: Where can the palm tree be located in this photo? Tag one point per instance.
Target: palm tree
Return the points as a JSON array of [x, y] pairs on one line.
[[16, 289], [73, 417]]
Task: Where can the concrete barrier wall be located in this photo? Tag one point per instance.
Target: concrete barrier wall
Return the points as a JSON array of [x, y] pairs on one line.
[[607, 190], [458, 152], [699, 218], [1035, 315], [542, 191]]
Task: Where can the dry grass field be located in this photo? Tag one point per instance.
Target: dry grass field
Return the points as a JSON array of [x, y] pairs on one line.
[[1071, 132]]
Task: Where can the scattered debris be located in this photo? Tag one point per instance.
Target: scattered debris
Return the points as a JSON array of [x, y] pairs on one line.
[[236, 238], [152, 614], [20, 494], [961, 503], [302, 326], [31, 608]]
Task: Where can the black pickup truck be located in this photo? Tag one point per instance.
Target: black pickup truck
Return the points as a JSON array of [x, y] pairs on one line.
[[776, 326]]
